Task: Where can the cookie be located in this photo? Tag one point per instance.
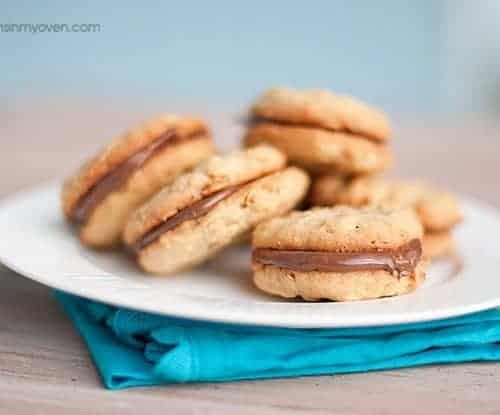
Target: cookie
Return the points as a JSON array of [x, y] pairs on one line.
[[322, 109], [437, 210], [213, 206], [109, 186], [331, 190], [437, 244], [339, 253], [319, 150], [321, 132]]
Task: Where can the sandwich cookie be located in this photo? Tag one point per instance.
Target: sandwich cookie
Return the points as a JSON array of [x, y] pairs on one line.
[[108, 187], [438, 210], [439, 213], [321, 131], [216, 204], [339, 254]]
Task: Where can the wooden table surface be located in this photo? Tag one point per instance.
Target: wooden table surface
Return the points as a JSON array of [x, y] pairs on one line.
[[45, 368]]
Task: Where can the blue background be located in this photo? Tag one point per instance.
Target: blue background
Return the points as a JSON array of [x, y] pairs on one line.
[[226, 52]]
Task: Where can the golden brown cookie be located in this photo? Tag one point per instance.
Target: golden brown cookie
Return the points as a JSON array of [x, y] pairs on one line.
[[437, 244], [319, 150], [339, 254], [321, 132], [103, 192], [330, 190], [213, 206], [438, 210], [320, 108]]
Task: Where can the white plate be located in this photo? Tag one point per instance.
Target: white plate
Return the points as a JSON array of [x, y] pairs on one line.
[[37, 243]]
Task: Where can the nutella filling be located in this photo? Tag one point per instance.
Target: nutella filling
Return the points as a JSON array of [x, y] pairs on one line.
[[254, 121], [401, 262], [119, 176], [194, 211]]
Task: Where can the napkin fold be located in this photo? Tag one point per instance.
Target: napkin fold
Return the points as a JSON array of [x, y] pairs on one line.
[[132, 348]]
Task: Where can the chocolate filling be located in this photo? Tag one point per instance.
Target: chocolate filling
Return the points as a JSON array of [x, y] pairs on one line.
[[119, 176], [400, 262], [254, 121], [194, 211]]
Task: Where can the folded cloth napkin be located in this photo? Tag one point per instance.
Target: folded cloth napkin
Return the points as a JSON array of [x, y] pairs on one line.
[[132, 348]]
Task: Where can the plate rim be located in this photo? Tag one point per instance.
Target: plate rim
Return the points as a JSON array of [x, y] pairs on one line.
[[241, 319]]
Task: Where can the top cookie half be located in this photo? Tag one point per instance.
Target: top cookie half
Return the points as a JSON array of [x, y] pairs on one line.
[[213, 175], [322, 109], [122, 148], [340, 229]]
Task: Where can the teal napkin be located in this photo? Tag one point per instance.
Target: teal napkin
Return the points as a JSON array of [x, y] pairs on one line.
[[131, 348]]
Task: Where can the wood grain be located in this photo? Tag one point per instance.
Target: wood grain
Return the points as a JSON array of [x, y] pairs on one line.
[[45, 368]]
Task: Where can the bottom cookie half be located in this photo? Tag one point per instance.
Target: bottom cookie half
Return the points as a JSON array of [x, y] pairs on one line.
[[349, 286]]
